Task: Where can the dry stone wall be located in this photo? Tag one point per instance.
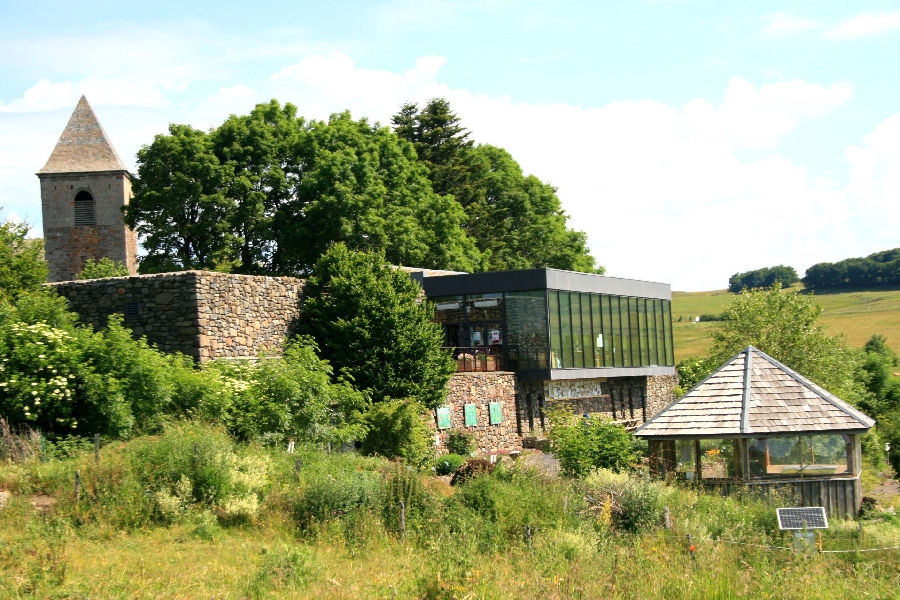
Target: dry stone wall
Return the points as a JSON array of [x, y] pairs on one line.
[[202, 314], [480, 390]]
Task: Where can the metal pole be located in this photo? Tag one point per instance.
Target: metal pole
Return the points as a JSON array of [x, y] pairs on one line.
[[402, 521]]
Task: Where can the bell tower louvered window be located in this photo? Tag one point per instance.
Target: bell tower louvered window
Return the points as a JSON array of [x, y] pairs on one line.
[[84, 210]]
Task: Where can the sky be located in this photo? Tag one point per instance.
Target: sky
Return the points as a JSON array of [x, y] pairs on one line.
[[690, 140]]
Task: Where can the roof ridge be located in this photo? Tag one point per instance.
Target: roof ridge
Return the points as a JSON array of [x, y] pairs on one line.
[[745, 397]]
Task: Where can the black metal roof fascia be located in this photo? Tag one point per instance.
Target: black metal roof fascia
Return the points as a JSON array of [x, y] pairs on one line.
[[677, 400], [593, 373], [745, 397], [542, 279], [863, 418]]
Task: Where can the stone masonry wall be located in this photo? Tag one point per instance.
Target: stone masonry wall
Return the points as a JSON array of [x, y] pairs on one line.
[[202, 314], [242, 315], [67, 247], [660, 393], [481, 389]]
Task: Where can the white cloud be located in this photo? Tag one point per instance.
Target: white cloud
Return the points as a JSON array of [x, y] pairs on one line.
[[864, 25], [46, 95], [782, 24], [236, 99], [659, 189]]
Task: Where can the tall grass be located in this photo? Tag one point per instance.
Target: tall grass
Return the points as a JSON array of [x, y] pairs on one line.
[[329, 526]]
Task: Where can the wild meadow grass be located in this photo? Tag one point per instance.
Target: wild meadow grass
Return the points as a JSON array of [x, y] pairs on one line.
[[331, 529]]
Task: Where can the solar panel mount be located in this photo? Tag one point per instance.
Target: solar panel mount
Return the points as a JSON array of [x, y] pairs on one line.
[[809, 517]]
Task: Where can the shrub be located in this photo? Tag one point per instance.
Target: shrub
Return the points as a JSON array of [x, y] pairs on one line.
[[397, 429], [583, 444], [334, 494], [460, 442], [632, 503], [101, 268], [449, 463], [195, 465]]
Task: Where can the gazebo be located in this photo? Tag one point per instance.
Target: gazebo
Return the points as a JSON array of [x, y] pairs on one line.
[[756, 424]]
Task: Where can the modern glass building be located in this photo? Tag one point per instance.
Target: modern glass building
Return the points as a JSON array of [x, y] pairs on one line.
[[547, 324]]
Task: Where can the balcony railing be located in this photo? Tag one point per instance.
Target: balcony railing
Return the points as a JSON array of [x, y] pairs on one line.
[[477, 358]]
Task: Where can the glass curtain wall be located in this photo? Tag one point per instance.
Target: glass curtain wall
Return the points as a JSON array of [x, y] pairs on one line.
[[559, 330], [597, 330]]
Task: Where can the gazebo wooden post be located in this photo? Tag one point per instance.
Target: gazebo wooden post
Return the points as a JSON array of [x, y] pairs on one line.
[[698, 463], [744, 445]]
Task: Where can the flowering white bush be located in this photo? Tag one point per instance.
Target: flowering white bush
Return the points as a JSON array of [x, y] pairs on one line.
[[39, 367]]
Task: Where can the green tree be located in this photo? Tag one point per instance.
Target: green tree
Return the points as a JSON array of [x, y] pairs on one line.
[[397, 429], [516, 221], [269, 192], [179, 208], [785, 325], [372, 326], [22, 266], [104, 267], [585, 444]]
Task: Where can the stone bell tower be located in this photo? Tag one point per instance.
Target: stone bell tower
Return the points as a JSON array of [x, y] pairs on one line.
[[84, 186]]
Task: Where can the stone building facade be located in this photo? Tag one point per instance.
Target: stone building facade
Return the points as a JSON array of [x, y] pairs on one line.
[[202, 314], [84, 187], [480, 390]]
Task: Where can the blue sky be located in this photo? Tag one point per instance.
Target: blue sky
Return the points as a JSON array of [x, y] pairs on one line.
[[690, 140]]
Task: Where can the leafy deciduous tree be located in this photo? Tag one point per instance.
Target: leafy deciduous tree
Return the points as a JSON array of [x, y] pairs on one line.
[[22, 266], [516, 221], [372, 326]]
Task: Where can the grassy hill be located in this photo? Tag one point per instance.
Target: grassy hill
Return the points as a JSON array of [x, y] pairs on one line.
[[858, 314]]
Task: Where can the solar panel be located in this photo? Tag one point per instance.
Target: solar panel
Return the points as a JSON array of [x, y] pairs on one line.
[[794, 518]]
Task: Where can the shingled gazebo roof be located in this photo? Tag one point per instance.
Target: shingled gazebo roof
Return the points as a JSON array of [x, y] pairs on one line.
[[754, 395], [83, 146]]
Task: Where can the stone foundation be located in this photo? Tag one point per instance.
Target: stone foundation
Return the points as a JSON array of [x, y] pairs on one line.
[[480, 389]]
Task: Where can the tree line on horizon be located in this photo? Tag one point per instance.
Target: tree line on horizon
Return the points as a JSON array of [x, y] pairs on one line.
[[270, 192], [879, 268]]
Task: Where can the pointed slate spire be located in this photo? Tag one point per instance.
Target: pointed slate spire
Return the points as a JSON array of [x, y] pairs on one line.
[[83, 146]]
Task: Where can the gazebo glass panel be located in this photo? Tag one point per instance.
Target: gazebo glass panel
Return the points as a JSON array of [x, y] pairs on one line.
[[719, 459], [799, 456], [685, 459]]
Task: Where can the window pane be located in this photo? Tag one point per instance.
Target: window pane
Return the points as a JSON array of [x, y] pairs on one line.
[[526, 322], [484, 307], [642, 331], [660, 338], [667, 325], [621, 307], [565, 327], [597, 333], [635, 331], [795, 456], [555, 334], [651, 331], [609, 340], [588, 341], [577, 337]]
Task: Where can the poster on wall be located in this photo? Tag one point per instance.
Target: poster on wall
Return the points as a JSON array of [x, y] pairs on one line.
[[443, 417], [471, 412], [476, 338], [496, 413], [495, 336]]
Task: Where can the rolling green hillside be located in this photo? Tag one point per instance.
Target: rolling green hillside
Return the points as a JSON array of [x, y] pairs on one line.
[[858, 314]]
